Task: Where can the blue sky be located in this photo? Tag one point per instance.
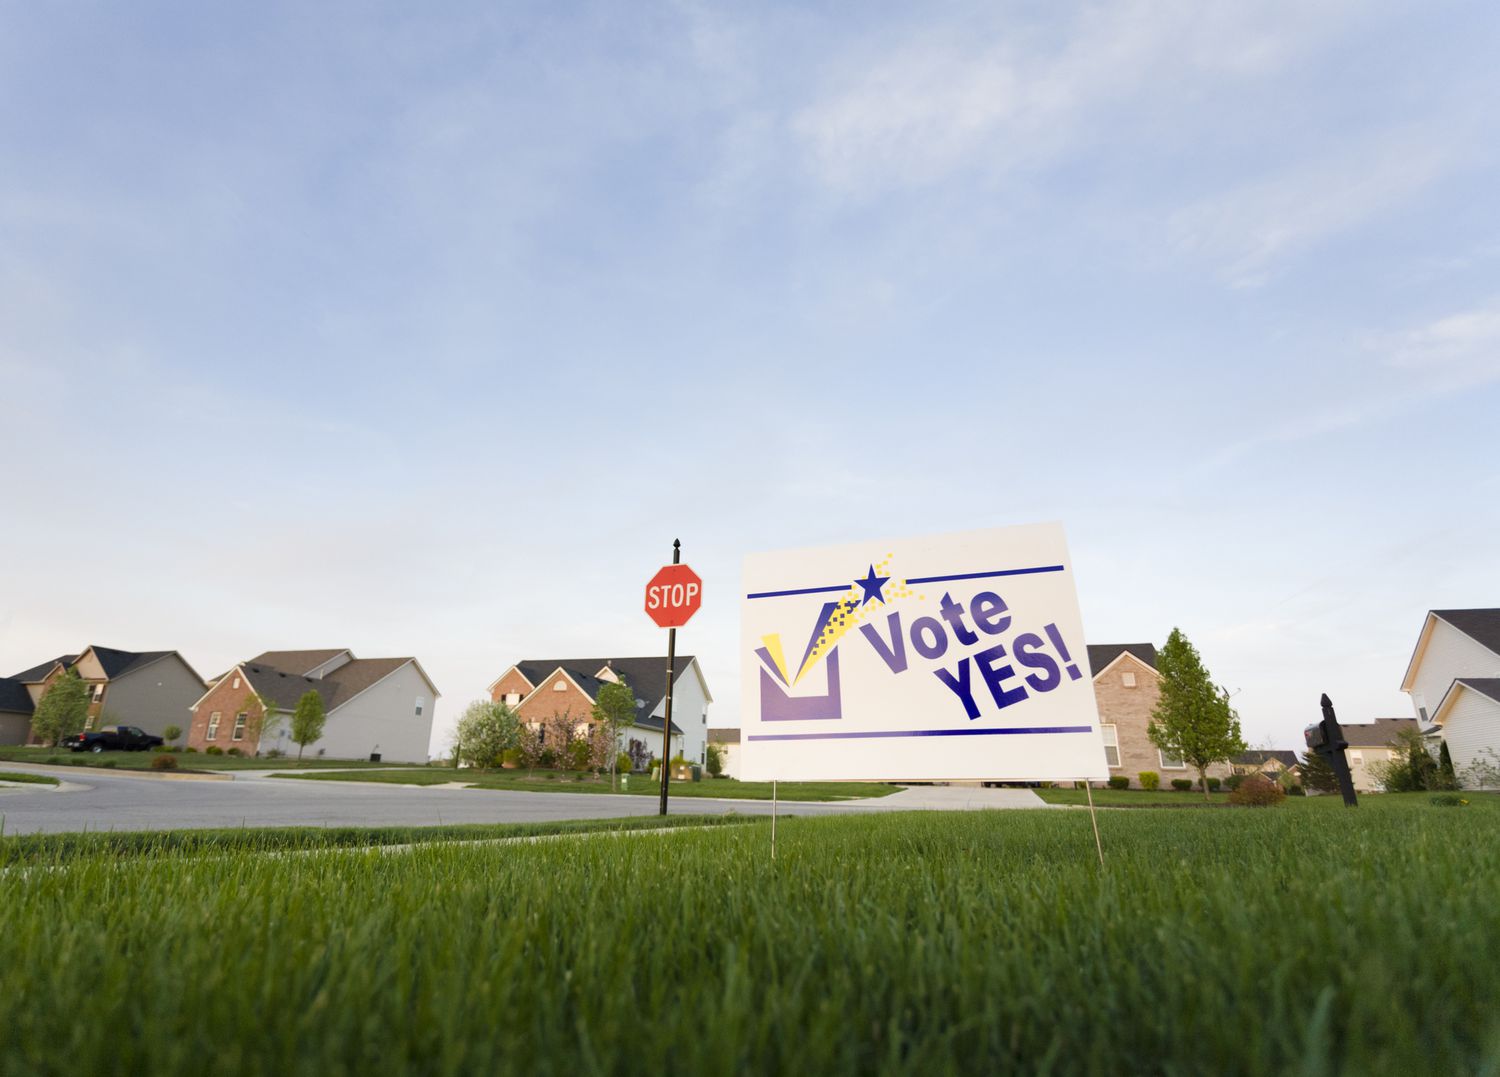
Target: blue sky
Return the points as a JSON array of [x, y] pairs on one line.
[[426, 331]]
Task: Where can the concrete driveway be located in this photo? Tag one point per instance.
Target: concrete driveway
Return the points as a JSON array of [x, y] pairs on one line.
[[118, 800]]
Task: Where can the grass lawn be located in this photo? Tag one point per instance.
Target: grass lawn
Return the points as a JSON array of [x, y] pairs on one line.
[[189, 761], [567, 781], [26, 778], [1238, 941], [1131, 798]]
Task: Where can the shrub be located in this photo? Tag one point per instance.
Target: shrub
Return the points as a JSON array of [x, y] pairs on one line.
[[1449, 800], [1233, 782], [1257, 792], [234, 751], [715, 760], [511, 757], [193, 750], [172, 732], [1213, 785], [1119, 781], [548, 759], [164, 762], [622, 763], [1296, 790], [275, 753], [1182, 785], [1150, 780], [213, 749], [578, 755], [161, 747]]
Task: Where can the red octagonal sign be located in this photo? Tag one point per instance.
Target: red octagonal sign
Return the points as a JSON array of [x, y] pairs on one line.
[[673, 596]]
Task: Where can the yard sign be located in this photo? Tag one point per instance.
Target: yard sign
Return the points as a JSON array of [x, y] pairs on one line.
[[946, 657]]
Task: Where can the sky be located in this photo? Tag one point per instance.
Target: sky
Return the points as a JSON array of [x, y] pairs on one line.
[[424, 330]]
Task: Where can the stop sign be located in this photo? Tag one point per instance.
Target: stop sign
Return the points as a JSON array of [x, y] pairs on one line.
[[673, 596]]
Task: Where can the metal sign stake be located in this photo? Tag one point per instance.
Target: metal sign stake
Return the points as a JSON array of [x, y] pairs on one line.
[[666, 725], [1088, 788]]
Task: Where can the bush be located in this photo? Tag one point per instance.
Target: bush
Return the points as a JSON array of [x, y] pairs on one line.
[[1449, 800], [1296, 790], [1150, 780], [275, 753], [578, 755], [1213, 785], [622, 763], [714, 758], [172, 732], [1233, 782], [1119, 781], [511, 757], [193, 750], [164, 762], [1182, 785], [161, 747], [1258, 792], [234, 751], [213, 749]]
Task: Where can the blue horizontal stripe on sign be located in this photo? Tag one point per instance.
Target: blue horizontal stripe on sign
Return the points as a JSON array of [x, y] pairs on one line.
[[880, 734], [916, 579], [986, 575]]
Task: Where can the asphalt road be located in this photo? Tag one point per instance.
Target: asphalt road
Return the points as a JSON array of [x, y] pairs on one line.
[[105, 800]]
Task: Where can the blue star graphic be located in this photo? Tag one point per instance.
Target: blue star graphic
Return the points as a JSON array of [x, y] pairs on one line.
[[872, 585]]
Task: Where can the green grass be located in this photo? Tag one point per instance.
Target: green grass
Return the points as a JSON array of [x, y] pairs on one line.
[[192, 761], [1131, 798], [1216, 942], [26, 777], [565, 781]]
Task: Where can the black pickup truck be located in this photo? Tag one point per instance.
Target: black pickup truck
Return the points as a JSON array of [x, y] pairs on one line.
[[112, 738]]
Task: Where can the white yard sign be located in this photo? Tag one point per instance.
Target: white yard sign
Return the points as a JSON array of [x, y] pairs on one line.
[[953, 657]]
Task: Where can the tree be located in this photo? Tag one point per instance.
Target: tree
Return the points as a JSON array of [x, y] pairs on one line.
[[171, 733], [486, 732], [714, 759], [614, 710], [1447, 777], [307, 721], [1193, 719], [62, 710], [1317, 773], [268, 721]]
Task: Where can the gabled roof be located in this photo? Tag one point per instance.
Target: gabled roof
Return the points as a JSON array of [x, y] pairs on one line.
[[1489, 687], [724, 736], [1256, 756], [1377, 734], [39, 673], [299, 662], [1482, 626], [1485, 686], [118, 663], [647, 677], [1102, 654], [13, 696], [337, 688]]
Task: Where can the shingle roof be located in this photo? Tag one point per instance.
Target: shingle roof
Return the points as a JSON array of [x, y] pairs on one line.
[[1256, 756], [1485, 686], [646, 676], [1102, 654], [299, 662], [724, 736], [117, 663], [1377, 734], [1480, 625], [337, 688], [13, 696], [36, 673]]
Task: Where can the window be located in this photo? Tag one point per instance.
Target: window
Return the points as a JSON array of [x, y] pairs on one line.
[[88, 723], [581, 730], [98, 693], [419, 706], [1111, 744], [1357, 758], [1423, 712], [213, 727], [1170, 762], [560, 685], [1127, 678], [512, 698], [236, 683], [239, 726]]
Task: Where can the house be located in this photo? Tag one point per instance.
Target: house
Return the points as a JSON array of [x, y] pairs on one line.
[[1373, 743], [1452, 679], [373, 707], [1127, 688], [15, 711], [148, 689], [1269, 762], [538, 688], [728, 741]]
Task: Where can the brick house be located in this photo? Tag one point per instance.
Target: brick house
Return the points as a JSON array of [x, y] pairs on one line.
[[148, 689], [1269, 762], [538, 688], [1127, 688], [372, 706]]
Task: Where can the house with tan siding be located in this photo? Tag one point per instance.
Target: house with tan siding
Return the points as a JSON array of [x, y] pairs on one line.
[[1452, 680], [148, 689], [1372, 744], [1127, 688]]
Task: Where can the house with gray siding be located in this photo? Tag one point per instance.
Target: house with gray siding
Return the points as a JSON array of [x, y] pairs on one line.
[[148, 689]]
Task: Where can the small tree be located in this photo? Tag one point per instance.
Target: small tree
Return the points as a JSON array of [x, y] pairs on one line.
[[614, 711], [486, 732], [307, 721], [714, 760], [171, 733], [1193, 719], [1317, 774], [267, 722], [1447, 777], [62, 711]]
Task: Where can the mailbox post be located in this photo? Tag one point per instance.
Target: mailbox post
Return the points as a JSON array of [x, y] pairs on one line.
[[1327, 739]]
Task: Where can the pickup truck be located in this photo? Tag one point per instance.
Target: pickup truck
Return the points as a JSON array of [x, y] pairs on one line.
[[112, 738]]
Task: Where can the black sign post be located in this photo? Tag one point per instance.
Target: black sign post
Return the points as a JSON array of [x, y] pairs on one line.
[[666, 723], [1327, 739]]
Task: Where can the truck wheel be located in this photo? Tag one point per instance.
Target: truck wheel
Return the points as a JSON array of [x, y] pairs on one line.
[[96, 748]]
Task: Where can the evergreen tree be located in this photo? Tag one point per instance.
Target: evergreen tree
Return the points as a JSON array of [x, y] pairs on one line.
[[1193, 719], [1447, 777], [307, 720], [61, 711], [1317, 774]]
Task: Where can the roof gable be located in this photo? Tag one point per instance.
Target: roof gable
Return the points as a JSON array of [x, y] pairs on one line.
[[1104, 655], [646, 676], [1489, 687], [1377, 734], [13, 696], [300, 663], [39, 672], [1482, 626]]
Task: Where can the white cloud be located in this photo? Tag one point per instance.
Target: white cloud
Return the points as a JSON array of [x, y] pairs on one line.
[[1010, 95], [1453, 351]]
